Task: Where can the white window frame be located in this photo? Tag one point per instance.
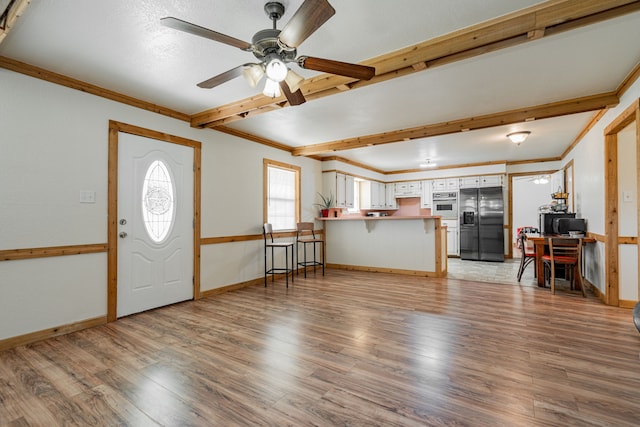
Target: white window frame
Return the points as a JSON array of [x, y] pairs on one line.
[[268, 202]]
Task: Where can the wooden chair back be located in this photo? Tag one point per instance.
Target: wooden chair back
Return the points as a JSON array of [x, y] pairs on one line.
[[566, 251], [304, 228], [267, 232]]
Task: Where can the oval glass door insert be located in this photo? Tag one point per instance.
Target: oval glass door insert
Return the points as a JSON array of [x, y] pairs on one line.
[[158, 201]]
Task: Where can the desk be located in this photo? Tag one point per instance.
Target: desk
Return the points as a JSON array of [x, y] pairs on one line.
[[540, 242]]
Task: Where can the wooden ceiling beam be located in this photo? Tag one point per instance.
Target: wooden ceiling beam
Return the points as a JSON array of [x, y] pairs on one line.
[[544, 111], [522, 26]]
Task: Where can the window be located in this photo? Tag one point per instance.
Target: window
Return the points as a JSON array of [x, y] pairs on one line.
[[158, 201], [281, 195]]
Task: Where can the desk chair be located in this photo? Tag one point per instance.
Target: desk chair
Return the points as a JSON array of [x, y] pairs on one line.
[[565, 252], [267, 233], [528, 254], [301, 228]]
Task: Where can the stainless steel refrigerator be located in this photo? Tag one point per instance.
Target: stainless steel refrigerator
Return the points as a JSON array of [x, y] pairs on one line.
[[481, 224]]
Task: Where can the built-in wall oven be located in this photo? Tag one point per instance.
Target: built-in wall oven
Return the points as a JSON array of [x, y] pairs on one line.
[[445, 204]]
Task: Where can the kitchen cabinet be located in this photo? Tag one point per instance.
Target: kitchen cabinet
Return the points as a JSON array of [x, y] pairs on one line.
[[372, 195], [447, 184], [481, 181], [469, 182], [341, 190], [339, 185], [453, 236], [349, 191], [491, 181], [408, 189], [425, 198], [390, 196]]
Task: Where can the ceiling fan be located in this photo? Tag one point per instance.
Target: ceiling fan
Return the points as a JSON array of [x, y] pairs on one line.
[[276, 48]]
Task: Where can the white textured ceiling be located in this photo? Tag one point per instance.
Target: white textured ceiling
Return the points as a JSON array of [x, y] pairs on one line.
[[121, 45]]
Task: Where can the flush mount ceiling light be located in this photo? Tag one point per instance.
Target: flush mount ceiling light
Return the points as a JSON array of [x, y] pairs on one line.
[[428, 164], [518, 137]]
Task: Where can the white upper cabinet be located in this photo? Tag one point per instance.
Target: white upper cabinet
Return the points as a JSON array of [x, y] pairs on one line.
[[425, 198], [491, 181], [341, 190], [481, 181], [372, 195], [390, 196], [349, 191], [469, 182], [408, 189], [447, 184], [340, 186]]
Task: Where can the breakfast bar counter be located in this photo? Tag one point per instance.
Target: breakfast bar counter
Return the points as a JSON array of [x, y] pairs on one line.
[[395, 244]]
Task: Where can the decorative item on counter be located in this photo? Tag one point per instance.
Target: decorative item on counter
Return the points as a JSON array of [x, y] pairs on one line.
[[326, 204]]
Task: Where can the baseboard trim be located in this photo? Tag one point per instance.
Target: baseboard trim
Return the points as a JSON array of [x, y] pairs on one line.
[[229, 288], [627, 303], [32, 337], [387, 270]]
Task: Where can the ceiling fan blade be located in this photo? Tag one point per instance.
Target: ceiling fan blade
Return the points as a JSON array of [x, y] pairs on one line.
[[308, 18], [295, 98], [222, 78], [187, 27], [360, 72]]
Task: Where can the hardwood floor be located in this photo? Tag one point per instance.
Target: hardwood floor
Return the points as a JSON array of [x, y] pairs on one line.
[[349, 348]]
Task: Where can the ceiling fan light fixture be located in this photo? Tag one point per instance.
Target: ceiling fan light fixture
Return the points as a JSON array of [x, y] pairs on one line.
[[271, 89], [541, 180], [253, 74], [518, 137], [276, 70], [294, 80]]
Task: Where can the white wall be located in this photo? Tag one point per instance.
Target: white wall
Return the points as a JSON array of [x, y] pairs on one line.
[[527, 198], [54, 144], [589, 164], [628, 212]]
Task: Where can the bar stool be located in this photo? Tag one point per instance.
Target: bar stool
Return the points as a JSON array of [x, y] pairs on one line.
[[301, 228], [267, 233]]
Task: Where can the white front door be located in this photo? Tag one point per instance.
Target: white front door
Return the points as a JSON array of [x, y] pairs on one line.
[[155, 223]]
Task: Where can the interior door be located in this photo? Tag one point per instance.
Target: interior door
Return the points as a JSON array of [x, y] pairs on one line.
[[155, 223]]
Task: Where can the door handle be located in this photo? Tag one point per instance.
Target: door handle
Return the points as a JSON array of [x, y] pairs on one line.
[[122, 235]]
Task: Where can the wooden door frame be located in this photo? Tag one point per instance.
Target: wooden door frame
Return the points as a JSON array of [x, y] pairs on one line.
[[112, 214], [510, 199], [611, 218]]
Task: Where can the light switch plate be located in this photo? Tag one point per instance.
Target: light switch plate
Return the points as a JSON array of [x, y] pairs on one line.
[[626, 196], [87, 196]]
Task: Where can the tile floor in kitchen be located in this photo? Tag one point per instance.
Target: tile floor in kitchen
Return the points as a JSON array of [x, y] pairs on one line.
[[496, 272], [501, 272]]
